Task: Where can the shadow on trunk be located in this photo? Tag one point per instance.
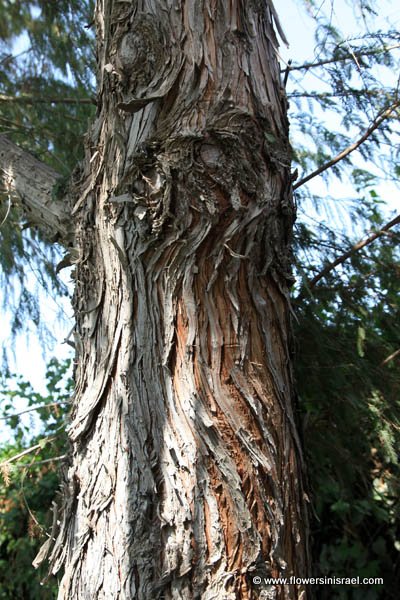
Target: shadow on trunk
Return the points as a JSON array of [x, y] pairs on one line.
[[185, 477]]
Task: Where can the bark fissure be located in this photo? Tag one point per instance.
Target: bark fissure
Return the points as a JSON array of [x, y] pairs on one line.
[[185, 458]]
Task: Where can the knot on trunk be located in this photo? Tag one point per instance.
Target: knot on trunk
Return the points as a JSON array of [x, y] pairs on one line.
[[148, 61], [140, 52]]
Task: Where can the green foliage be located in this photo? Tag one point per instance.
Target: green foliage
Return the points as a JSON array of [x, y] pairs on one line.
[[20, 536], [351, 80], [348, 332], [27, 270], [348, 328], [56, 64], [47, 58], [28, 485]]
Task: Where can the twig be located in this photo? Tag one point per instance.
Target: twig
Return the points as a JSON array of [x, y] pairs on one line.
[[25, 452], [24, 498], [287, 71], [42, 462], [351, 92], [7, 211], [11, 57], [36, 100], [390, 357], [33, 408], [361, 244], [376, 123], [350, 56], [46, 547]]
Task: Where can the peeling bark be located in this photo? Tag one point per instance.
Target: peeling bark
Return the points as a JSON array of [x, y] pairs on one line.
[[185, 477], [31, 182]]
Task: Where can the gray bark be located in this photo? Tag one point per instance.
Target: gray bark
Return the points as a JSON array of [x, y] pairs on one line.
[[30, 184], [185, 477]]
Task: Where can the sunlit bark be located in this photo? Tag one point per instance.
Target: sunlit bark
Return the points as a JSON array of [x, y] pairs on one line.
[[30, 184], [185, 478]]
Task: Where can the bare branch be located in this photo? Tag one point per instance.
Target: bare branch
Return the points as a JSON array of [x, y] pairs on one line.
[[42, 462], [390, 357], [375, 124], [23, 412], [361, 244], [344, 57], [32, 182], [11, 57], [349, 92], [25, 452], [25, 99]]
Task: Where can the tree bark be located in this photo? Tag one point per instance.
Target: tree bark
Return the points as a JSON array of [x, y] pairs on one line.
[[185, 478], [30, 182]]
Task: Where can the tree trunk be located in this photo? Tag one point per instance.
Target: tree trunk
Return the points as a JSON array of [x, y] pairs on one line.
[[185, 478]]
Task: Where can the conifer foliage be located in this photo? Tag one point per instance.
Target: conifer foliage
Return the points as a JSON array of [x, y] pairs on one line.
[[46, 100], [346, 295]]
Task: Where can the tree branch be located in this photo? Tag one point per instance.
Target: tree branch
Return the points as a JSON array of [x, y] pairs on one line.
[[25, 99], [25, 452], [375, 124], [32, 182], [349, 92], [41, 462], [344, 57], [390, 357], [39, 407], [361, 244]]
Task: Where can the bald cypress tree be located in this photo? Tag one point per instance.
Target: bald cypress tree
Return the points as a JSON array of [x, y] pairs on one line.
[[185, 475]]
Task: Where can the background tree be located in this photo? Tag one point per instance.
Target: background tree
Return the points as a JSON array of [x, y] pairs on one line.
[[29, 479], [46, 100], [347, 302]]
